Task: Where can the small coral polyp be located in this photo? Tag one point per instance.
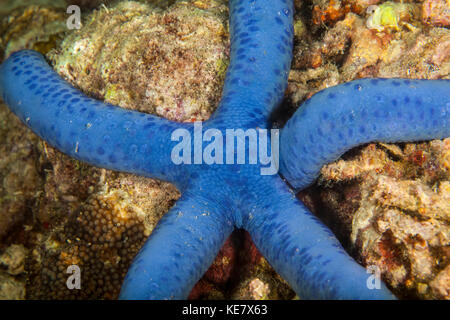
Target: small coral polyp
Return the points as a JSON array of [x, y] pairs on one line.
[[101, 239], [388, 16]]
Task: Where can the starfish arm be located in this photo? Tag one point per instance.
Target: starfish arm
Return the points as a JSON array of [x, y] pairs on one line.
[[306, 253], [339, 118], [86, 129], [179, 251], [261, 52]]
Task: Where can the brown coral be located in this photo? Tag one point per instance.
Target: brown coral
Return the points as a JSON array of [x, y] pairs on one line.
[[35, 27], [19, 177], [101, 239]]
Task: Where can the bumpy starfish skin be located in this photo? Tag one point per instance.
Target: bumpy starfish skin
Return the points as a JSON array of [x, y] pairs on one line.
[[217, 198], [388, 110]]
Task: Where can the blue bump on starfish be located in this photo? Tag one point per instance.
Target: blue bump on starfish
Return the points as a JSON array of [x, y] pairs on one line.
[[217, 198]]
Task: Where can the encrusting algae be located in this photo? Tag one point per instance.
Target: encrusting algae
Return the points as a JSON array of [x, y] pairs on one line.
[[166, 62]]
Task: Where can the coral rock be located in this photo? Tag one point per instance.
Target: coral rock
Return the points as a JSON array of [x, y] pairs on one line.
[[395, 213], [14, 259], [175, 70], [436, 12], [33, 27], [10, 288]]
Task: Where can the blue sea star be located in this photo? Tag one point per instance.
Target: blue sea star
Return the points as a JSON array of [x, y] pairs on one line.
[[216, 198]]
